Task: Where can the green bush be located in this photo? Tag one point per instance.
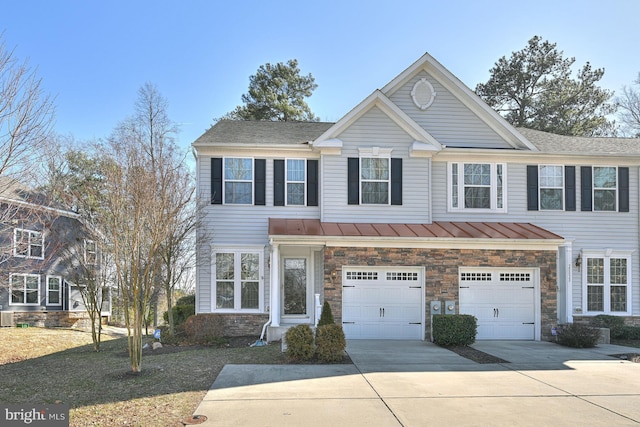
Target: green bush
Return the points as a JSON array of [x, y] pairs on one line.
[[299, 343], [181, 313], [454, 329], [330, 343], [614, 323], [578, 335], [186, 300], [630, 333], [326, 317], [204, 328]]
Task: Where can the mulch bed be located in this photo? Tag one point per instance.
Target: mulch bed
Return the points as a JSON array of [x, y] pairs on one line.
[[475, 355], [631, 357]]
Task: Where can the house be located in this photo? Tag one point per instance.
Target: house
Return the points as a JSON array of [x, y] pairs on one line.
[[42, 248], [420, 201]]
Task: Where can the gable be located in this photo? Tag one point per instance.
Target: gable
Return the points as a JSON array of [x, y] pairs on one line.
[[448, 119], [465, 99]]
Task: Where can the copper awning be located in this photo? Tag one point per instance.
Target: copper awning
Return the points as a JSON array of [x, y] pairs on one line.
[[441, 229]]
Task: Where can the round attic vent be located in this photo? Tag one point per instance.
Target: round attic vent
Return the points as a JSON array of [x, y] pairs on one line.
[[423, 94]]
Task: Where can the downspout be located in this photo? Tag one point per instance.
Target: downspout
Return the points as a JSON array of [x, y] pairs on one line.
[[264, 327]]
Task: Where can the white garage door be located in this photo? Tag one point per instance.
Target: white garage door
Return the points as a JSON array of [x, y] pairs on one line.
[[503, 301], [383, 303]]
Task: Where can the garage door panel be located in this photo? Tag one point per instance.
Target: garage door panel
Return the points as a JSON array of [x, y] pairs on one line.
[[385, 306], [503, 301]]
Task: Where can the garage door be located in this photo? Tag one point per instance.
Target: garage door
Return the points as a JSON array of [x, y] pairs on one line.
[[503, 301], [383, 303]]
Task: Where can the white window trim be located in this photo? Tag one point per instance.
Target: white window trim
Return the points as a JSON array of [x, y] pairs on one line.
[[59, 291], [287, 182], [607, 254], [494, 188], [30, 232], [593, 188], [374, 153], [95, 252], [237, 281], [24, 286], [540, 187], [71, 286], [251, 181]]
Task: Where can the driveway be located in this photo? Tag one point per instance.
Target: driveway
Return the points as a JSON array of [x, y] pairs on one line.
[[416, 383]]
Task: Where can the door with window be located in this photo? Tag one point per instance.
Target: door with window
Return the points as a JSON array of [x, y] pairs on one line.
[[295, 287]]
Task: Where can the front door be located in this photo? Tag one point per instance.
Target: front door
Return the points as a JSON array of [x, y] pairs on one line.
[[295, 290]]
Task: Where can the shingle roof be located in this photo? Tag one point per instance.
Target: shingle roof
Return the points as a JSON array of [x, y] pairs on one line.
[[442, 229], [561, 144], [262, 132]]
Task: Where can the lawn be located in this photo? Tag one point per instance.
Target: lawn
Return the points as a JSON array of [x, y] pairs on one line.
[[59, 366]]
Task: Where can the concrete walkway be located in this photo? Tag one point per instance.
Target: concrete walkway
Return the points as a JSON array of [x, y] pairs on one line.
[[416, 383]]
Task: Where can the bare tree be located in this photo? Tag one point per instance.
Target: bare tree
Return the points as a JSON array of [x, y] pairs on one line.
[[629, 108], [26, 114], [141, 205]]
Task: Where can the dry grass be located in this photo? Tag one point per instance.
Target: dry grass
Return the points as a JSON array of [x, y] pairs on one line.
[[59, 366]]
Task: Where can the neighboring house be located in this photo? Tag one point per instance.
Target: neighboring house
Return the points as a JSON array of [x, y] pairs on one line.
[[421, 200], [39, 244]]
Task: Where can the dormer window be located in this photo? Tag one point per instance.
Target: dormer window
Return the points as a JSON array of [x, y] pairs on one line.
[[28, 243]]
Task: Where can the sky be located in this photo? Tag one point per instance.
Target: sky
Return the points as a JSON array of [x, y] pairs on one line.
[[93, 56]]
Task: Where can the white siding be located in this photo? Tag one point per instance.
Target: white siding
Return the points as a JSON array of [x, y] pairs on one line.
[[237, 225], [375, 129], [447, 119], [586, 230]]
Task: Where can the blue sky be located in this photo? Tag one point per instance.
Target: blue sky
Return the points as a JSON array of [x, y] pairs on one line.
[[94, 55]]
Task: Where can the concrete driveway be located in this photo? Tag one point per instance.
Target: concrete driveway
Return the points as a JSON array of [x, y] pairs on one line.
[[416, 383]]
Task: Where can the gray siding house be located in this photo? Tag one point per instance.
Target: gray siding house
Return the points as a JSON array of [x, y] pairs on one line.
[[420, 201], [39, 246]]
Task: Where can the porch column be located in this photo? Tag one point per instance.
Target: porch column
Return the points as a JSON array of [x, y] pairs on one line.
[[275, 285]]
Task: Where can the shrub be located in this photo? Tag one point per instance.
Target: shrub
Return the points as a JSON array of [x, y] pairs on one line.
[[330, 343], [614, 323], [299, 343], [186, 300], [454, 329], [630, 333], [326, 317], [204, 328], [181, 313], [578, 335]]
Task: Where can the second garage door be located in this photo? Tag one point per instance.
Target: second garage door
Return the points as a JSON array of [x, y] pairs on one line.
[[503, 301], [383, 303]]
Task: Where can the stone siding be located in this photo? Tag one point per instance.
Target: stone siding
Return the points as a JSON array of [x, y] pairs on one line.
[[53, 319], [441, 273], [241, 324]]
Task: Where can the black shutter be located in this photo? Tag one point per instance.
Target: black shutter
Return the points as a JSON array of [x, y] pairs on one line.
[[585, 191], [396, 181], [260, 181], [312, 183], [623, 189], [532, 187], [569, 188], [216, 181], [278, 183], [353, 177]]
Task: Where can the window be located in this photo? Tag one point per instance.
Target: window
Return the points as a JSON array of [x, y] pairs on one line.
[[477, 186], [295, 286], [90, 252], [604, 188], [374, 178], [374, 181], [54, 290], [238, 283], [551, 181], [25, 289], [238, 181], [607, 277], [295, 181], [28, 243]]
